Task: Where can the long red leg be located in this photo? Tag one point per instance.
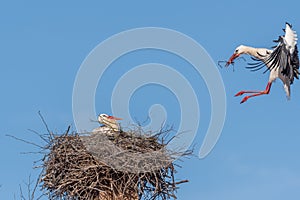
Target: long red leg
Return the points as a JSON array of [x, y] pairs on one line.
[[257, 93], [246, 91]]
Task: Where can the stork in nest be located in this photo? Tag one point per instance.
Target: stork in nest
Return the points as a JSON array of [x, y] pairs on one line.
[[110, 124]]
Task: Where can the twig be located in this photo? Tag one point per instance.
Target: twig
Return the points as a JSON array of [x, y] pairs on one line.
[[46, 125], [40, 135], [183, 181], [31, 143]]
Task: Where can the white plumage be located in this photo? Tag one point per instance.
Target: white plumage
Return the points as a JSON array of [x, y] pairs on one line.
[[110, 124], [290, 38]]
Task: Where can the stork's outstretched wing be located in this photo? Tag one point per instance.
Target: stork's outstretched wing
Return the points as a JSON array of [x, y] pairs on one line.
[[283, 56]]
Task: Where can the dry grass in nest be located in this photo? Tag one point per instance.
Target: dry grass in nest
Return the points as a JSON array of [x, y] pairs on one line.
[[114, 166]]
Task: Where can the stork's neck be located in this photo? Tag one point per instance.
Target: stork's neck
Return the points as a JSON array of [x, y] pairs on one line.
[[111, 123], [258, 53], [249, 50]]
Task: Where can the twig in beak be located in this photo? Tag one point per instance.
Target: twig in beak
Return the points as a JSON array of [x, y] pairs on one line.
[[221, 61]]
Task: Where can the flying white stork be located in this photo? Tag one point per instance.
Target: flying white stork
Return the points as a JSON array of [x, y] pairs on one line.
[[109, 123], [282, 62]]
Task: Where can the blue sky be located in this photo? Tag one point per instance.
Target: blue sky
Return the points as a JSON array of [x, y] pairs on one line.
[[44, 43]]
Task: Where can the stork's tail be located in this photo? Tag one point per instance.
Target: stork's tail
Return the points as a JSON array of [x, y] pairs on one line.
[[287, 90]]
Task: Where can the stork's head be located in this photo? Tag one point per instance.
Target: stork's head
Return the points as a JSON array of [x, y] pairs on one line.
[[237, 52], [109, 121], [104, 118]]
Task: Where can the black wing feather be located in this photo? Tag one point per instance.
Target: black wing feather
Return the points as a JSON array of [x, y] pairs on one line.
[[279, 58]]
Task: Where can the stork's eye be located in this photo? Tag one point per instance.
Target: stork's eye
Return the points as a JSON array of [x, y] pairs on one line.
[[236, 50]]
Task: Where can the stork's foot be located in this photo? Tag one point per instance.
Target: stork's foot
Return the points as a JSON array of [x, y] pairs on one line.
[[245, 99], [239, 93]]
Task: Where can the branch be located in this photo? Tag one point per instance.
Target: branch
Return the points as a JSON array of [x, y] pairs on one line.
[[46, 125], [22, 140]]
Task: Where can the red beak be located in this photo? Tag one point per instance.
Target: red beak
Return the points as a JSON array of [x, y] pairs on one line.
[[115, 118], [231, 59]]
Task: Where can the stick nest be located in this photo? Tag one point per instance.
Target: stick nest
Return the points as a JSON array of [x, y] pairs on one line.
[[110, 166]]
